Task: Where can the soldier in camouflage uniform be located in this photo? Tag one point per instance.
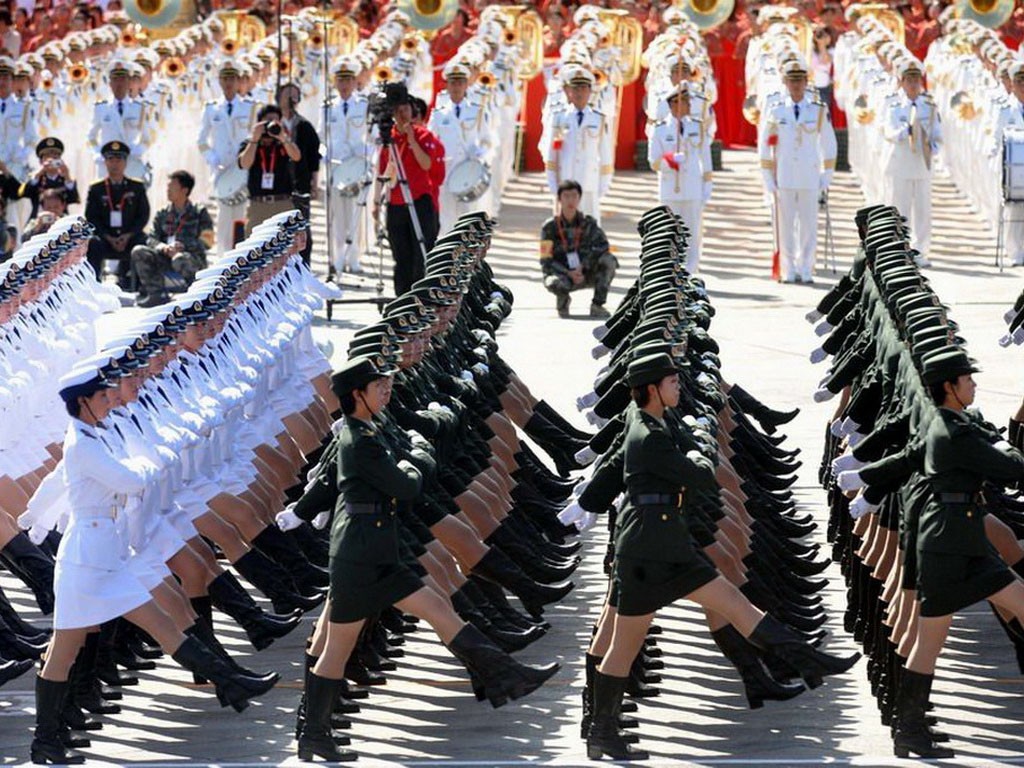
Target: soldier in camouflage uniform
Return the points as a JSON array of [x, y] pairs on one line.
[[180, 235], [574, 253]]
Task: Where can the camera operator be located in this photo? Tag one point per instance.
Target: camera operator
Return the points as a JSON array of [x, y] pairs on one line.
[[416, 148], [270, 156], [53, 173], [308, 142]]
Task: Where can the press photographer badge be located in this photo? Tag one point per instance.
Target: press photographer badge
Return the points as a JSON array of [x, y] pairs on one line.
[[267, 180], [572, 258]]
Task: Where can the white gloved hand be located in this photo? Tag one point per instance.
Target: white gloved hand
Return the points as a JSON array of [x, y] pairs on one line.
[[836, 428], [818, 355], [497, 295], [850, 480], [708, 189], [854, 438], [579, 488], [813, 316], [1018, 336], [320, 521], [37, 534], [824, 180], [1002, 445], [602, 330], [405, 465], [595, 420], [466, 376], [770, 186], [337, 426], [599, 351], [588, 400], [286, 519], [860, 507], [585, 456], [849, 426], [1005, 340], [571, 513], [27, 520], [480, 369], [480, 353], [823, 328], [1008, 315], [846, 463], [823, 395], [585, 522]]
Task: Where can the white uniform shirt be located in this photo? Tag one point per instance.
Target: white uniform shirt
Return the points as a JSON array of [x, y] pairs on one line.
[[128, 121], [221, 134], [805, 146], [18, 135], [464, 132], [577, 145], [689, 140], [908, 127]]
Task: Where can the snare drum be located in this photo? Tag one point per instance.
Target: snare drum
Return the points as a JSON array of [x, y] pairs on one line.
[[469, 180], [349, 175], [1013, 165], [230, 186]]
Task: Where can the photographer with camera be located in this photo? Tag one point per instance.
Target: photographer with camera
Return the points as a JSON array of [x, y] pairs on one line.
[[412, 182], [53, 173], [270, 156]]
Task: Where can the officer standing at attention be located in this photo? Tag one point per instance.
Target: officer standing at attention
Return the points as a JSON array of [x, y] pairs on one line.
[[118, 208], [798, 156], [123, 119], [914, 129], [465, 133], [680, 151], [225, 125], [347, 135], [574, 253], [17, 124], [577, 143]]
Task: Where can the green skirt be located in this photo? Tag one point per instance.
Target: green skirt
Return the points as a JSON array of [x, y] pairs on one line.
[[641, 586], [948, 583], [360, 590]]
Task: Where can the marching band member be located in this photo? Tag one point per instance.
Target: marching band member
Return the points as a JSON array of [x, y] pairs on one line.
[[465, 133], [680, 151], [914, 128], [798, 155], [122, 118], [577, 143]]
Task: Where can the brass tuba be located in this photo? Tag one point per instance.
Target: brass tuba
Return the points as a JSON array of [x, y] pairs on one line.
[[988, 13], [706, 14], [240, 30], [165, 17], [383, 74], [888, 18], [525, 29], [627, 35], [429, 16], [172, 67], [751, 112], [862, 112]]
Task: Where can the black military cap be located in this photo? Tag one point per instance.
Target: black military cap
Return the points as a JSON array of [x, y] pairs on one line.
[[357, 373], [650, 369], [115, 149], [49, 144], [946, 364]]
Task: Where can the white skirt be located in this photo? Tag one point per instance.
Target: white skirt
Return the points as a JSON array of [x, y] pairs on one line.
[[92, 581]]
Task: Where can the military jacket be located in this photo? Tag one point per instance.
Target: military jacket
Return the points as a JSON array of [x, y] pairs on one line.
[[558, 238], [186, 227], [127, 198]]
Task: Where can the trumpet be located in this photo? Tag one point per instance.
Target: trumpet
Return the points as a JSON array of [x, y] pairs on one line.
[[383, 74], [172, 67], [46, 81], [78, 74], [284, 65], [316, 39], [229, 46], [486, 80], [510, 37], [410, 43], [751, 111], [128, 38]]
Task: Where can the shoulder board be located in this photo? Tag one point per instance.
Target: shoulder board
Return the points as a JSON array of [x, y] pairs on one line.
[[97, 183], [103, 101], [133, 180], [818, 103], [928, 97], [211, 103], [598, 112], [367, 431], [697, 120], [663, 121]]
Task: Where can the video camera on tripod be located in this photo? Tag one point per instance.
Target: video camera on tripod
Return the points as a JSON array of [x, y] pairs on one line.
[[382, 105]]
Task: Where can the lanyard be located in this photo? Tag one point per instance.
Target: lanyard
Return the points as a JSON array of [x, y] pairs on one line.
[[576, 235], [263, 160], [181, 222], [110, 198]]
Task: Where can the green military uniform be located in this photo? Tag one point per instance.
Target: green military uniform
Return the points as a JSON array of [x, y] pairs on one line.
[[655, 560], [581, 238], [368, 573], [150, 261]]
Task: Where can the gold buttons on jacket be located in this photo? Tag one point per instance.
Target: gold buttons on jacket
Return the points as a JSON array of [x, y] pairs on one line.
[[664, 517], [379, 523], [970, 513]]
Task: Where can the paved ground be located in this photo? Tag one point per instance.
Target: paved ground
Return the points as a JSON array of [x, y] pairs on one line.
[[425, 714]]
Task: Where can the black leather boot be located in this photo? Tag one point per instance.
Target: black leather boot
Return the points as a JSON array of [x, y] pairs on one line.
[[278, 547], [261, 628], [232, 688], [10, 669], [758, 684], [13, 620], [316, 737], [559, 421], [13, 646], [912, 735], [106, 666], [30, 564], [204, 631], [47, 748], [274, 582], [85, 686], [812, 664], [498, 676], [604, 738], [496, 567]]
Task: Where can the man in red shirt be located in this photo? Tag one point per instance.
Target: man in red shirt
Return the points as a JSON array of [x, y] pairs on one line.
[[417, 149]]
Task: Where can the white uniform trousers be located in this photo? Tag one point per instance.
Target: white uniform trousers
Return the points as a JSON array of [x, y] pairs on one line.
[[798, 232], [348, 233], [691, 212], [226, 215], [913, 199]]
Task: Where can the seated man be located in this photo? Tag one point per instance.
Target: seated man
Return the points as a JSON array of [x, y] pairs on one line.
[[52, 205], [574, 253], [118, 208], [178, 240]]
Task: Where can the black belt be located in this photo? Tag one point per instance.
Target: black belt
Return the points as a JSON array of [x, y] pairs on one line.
[[958, 498], [271, 198], [658, 499], [368, 507]]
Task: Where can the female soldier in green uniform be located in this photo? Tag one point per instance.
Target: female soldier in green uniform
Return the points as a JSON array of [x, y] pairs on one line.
[[369, 575], [956, 564], [656, 562]]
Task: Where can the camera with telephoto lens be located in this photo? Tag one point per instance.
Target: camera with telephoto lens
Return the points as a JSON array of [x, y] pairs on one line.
[[274, 129], [382, 105]]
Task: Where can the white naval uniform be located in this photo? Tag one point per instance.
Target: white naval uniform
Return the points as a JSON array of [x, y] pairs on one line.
[[577, 145], [1010, 116], [684, 189], [799, 167], [220, 138], [348, 134], [464, 132], [18, 135], [912, 128], [127, 121], [93, 581]]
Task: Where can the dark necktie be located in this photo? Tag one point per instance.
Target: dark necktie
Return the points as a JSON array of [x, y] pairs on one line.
[[3, 106], [120, 108], [231, 108], [458, 111], [344, 107], [796, 111], [579, 117]]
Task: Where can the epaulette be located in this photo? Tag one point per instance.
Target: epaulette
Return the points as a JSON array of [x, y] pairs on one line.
[[137, 181], [96, 183], [928, 97], [103, 101]]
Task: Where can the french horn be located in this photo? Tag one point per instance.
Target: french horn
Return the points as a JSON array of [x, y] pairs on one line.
[[429, 16], [988, 13], [706, 14], [166, 16]]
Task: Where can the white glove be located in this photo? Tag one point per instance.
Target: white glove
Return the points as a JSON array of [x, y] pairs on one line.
[[419, 440], [854, 438], [708, 189], [481, 353], [585, 522], [480, 369], [1002, 445], [860, 507], [1018, 336], [846, 463], [571, 513], [585, 456], [321, 520], [824, 180], [595, 420], [823, 328], [1005, 340], [602, 330], [37, 534], [497, 295], [818, 355], [849, 426], [579, 488], [405, 465], [1009, 315], [823, 395], [27, 520], [466, 376], [850, 480], [287, 519], [813, 316], [599, 351], [588, 400]]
